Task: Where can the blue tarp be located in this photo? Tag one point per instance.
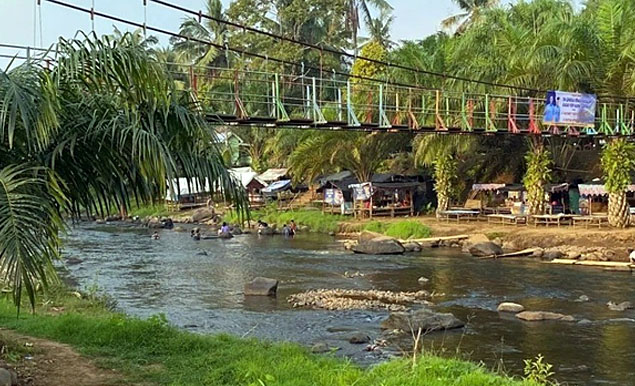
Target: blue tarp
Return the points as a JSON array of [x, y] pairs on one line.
[[277, 186]]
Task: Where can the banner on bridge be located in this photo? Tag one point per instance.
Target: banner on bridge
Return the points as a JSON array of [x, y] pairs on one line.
[[569, 109]]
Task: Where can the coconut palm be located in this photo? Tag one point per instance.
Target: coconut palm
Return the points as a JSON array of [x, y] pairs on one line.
[[104, 128], [471, 11], [618, 162], [363, 6], [206, 30], [327, 152]]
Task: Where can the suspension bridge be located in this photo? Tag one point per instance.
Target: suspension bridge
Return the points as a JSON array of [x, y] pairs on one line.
[[332, 100]]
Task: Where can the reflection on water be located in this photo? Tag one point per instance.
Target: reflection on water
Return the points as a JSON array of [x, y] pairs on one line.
[[198, 285]]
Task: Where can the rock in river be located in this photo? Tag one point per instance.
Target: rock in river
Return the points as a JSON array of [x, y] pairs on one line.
[[510, 307], [261, 286], [381, 245], [534, 316], [485, 249], [424, 319], [359, 338], [623, 306], [203, 214]]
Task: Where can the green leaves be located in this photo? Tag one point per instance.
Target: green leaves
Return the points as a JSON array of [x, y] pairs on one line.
[[618, 162], [538, 173], [105, 126], [29, 225]]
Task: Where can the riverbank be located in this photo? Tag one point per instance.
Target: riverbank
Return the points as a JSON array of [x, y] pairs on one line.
[[606, 244], [150, 351]]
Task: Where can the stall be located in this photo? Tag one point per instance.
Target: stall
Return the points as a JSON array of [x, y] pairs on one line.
[[337, 196], [385, 198], [183, 193]]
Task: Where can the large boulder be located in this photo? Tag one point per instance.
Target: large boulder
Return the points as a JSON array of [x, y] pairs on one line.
[[510, 307], [261, 286], [154, 223], [424, 319], [485, 249], [552, 254], [381, 245], [225, 235], [474, 239], [534, 316], [200, 215], [8, 377], [368, 235]]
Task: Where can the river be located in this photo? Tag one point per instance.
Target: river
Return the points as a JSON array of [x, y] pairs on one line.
[[198, 286]]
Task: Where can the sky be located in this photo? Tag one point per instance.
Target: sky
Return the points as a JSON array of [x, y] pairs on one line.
[[21, 24]]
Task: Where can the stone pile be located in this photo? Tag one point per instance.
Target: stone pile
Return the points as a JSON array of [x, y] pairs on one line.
[[348, 299]]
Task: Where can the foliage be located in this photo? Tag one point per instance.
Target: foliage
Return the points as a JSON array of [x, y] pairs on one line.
[[537, 175], [328, 152], [409, 229], [105, 127], [538, 371], [618, 162], [152, 351], [315, 220], [363, 68]]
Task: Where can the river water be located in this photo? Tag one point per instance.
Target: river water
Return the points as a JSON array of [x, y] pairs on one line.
[[198, 286]]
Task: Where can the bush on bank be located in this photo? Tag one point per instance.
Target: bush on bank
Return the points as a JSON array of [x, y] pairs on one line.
[[153, 351]]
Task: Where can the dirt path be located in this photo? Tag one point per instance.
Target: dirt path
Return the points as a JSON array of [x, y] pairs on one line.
[[41, 362]]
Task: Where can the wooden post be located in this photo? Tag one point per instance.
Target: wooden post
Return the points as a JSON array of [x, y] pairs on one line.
[[412, 204], [370, 207]]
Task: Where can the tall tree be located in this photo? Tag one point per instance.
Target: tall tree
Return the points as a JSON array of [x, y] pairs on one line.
[[618, 162], [207, 30], [471, 11], [537, 175], [363, 6], [440, 152]]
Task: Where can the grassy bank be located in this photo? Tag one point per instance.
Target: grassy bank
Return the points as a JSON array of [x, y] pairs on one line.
[[151, 351], [316, 221]]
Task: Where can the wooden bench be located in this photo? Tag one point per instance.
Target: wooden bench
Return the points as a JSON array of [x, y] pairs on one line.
[[590, 221], [507, 219], [459, 214], [551, 219]]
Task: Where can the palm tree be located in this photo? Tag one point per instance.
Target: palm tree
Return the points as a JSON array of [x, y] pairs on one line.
[[537, 175], [470, 13], [354, 8], [104, 128], [440, 151], [379, 30], [618, 162], [207, 30], [360, 153]]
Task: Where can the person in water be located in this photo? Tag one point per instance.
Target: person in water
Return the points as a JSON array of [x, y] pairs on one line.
[[155, 235], [631, 255], [293, 227], [224, 229], [286, 231], [197, 234]]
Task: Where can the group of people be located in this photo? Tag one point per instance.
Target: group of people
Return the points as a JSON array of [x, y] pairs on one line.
[[287, 230]]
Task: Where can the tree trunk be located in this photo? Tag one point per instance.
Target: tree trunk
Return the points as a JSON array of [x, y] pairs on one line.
[[536, 199], [619, 211], [443, 202]]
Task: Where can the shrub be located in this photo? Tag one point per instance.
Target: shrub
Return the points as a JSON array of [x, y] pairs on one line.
[[407, 230]]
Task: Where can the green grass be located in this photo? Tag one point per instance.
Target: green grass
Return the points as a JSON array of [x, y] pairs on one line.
[[156, 210], [314, 219], [151, 351], [407, 229]]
